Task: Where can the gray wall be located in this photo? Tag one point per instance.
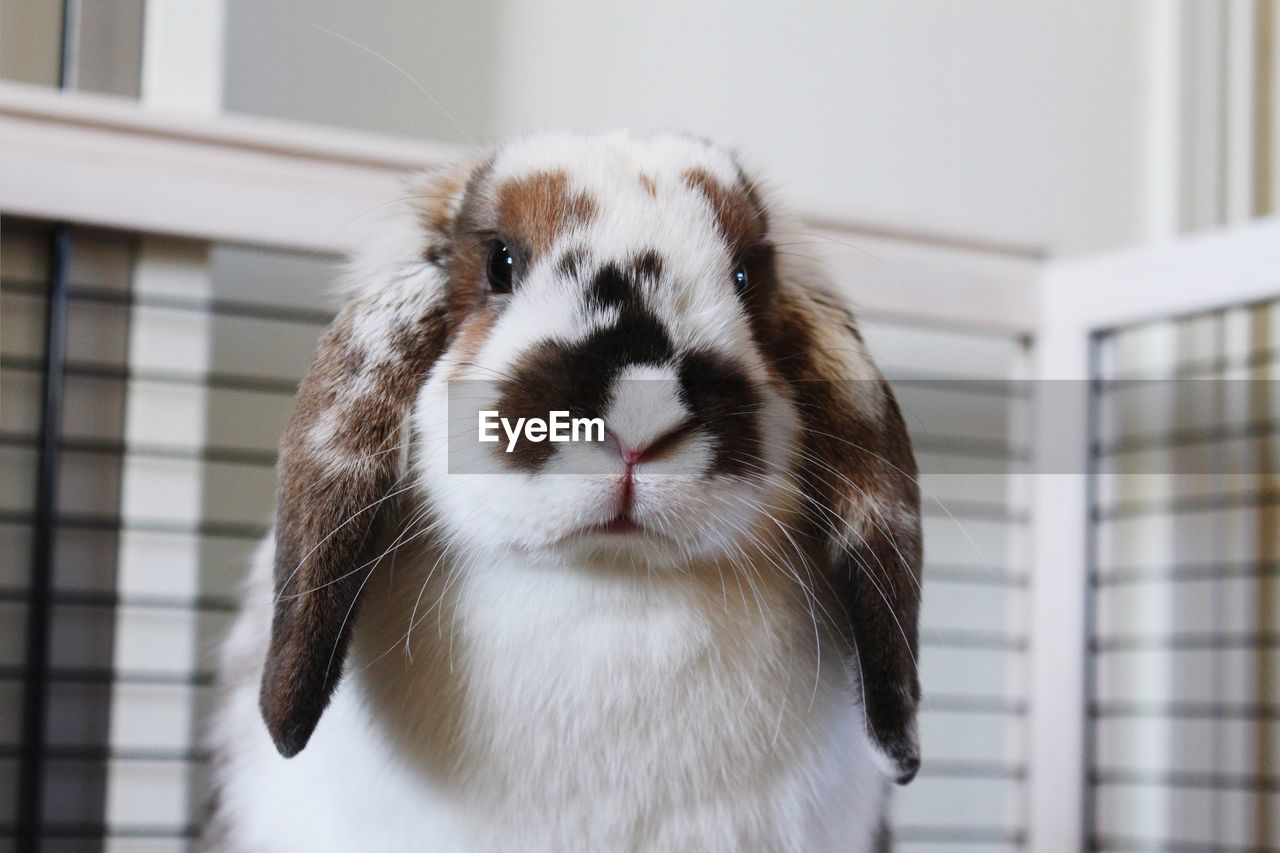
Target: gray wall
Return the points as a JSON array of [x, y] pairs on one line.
[[314, 61]]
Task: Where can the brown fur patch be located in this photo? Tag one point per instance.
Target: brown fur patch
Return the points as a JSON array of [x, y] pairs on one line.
[[434, 196], [741, 219], [337, 461], [472, 334], [538, 208], [861, 473], [649, 185], [531, 212], [436, 207], [467, 280]]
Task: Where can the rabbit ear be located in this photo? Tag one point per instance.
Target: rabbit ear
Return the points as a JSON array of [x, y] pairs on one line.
[[861, 473], [878, 581], [341, 455]]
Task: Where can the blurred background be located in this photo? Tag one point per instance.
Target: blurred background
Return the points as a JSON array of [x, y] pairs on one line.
[[1011, 193]]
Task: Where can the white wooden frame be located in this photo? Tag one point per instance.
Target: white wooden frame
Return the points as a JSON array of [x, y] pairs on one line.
[[1079, 299], [105, 161], [1206, 131]]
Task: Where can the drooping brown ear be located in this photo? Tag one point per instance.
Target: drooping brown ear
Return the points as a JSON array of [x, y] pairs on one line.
[[861, 475], [878, 577], [341, 455]]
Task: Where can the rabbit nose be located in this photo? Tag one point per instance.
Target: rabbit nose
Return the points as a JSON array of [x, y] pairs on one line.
[[655, 448]]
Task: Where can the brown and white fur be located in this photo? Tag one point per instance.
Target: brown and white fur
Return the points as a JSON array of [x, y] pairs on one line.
[[697, 635]]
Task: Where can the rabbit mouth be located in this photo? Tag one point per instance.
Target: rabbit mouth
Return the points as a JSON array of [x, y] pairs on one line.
[[621, 525], [623, 529], [618, 526]]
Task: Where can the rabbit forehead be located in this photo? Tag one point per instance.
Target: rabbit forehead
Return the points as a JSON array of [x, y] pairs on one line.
[[601, 162], [614, 191]]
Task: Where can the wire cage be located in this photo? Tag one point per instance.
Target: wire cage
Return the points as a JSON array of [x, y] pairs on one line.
[[140, 414], [1184, 705]]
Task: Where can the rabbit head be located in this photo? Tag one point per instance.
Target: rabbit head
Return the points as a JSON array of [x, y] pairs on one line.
[[637, 284]]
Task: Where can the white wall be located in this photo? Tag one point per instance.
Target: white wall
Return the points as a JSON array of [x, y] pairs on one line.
[[352, 64], [1018, 122]]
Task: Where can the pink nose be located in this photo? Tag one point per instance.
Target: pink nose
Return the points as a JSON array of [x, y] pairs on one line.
[[655, 449]]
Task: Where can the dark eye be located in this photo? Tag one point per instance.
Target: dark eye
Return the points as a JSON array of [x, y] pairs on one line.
[[740, 279], [502, 268]]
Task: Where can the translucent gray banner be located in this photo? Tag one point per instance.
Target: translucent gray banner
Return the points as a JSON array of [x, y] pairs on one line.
[[1167, 427]]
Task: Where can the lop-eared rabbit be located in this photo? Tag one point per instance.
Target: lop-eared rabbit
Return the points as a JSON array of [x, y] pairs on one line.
[[696, 631]]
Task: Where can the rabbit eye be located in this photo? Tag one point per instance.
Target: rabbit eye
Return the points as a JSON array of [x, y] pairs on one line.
[[502, 267], [740, 279]]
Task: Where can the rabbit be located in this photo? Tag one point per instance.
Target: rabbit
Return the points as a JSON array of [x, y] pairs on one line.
[[698, 632]]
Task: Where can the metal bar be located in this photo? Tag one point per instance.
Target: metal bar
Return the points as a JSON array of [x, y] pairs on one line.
[[35, 697], [1186, 710], [1181, 506], [106, 831], [222, 381], [977, 576], [1089, 800], [961, 446], [94, 753], [224, 529], [958, 704], [1007, 389], [1190, 436], [952, 835], [218, 307], [107, 675], [1259, 641], [116, 448], [1144, 845], [1188, 779], [1186, 573], [92, 598], [973, 770], [1196, 367], [982, 640]]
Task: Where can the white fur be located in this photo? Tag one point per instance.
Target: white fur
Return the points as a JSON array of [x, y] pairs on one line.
[[599, 713], [511, 687]]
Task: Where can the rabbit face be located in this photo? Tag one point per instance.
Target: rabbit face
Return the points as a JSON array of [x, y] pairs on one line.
[[624, 282]]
